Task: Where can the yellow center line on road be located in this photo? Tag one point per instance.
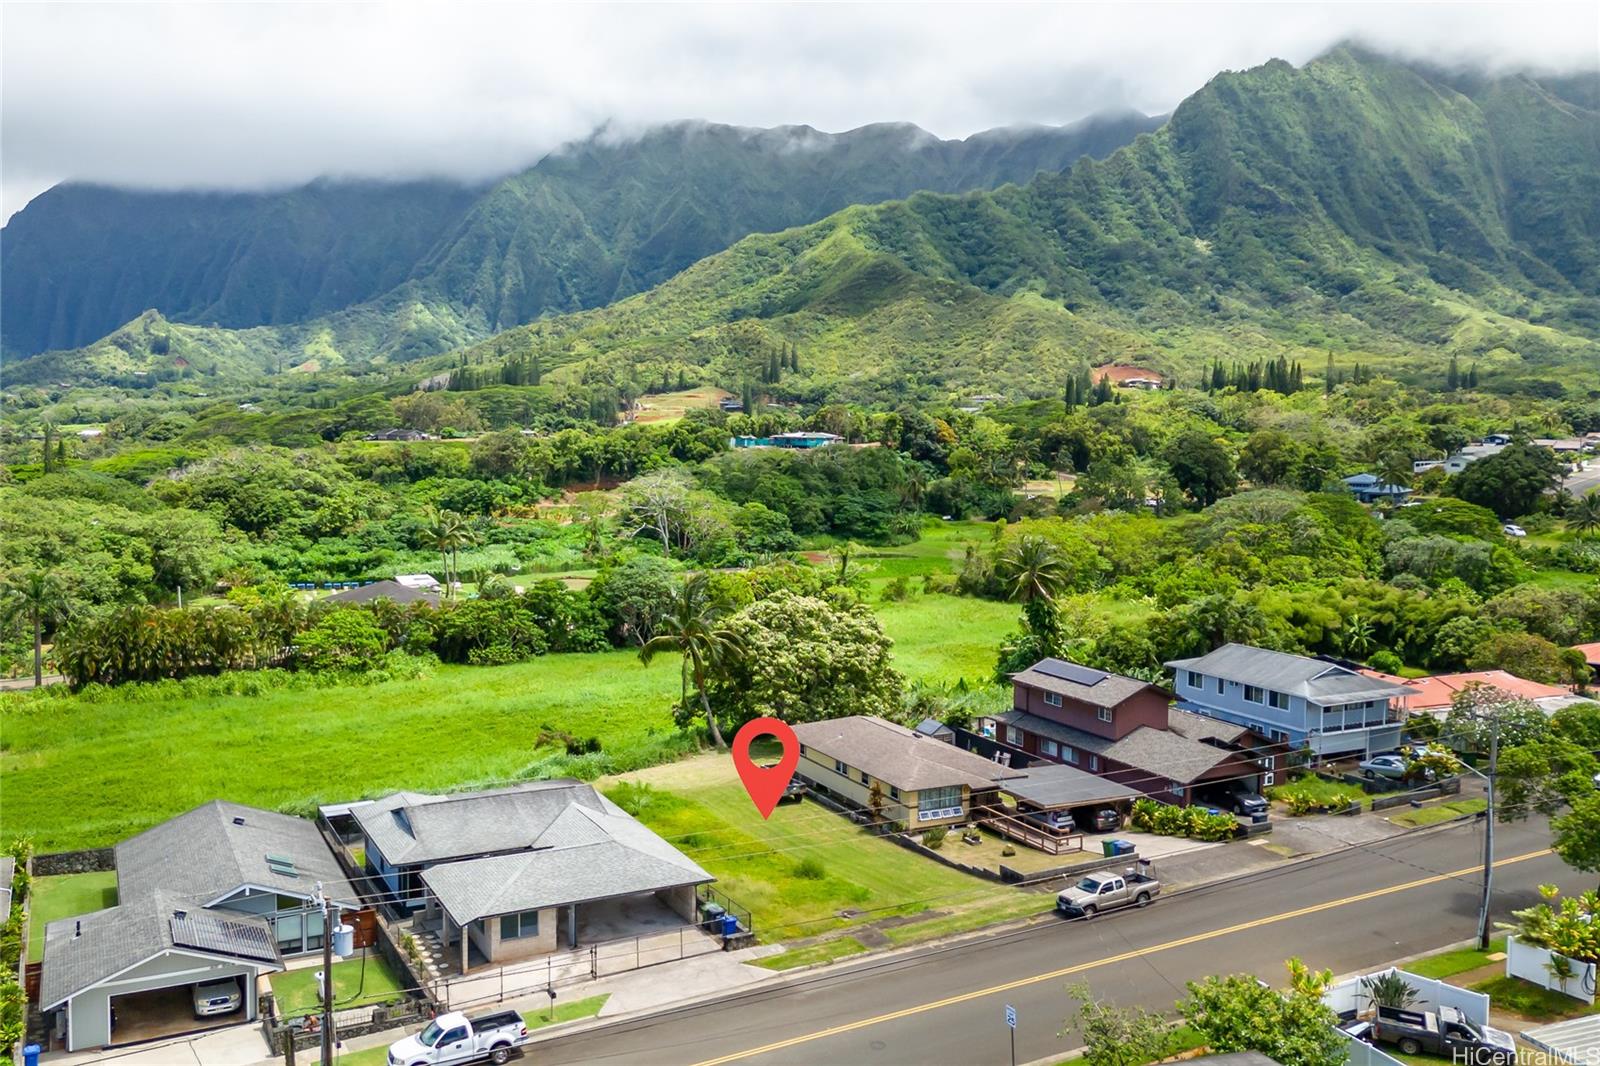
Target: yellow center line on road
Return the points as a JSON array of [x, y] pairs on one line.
[[1198, 938]]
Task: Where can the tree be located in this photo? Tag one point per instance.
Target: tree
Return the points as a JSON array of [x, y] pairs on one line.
[[636, 596], [1035, 573], [1118, 1036], [346, 639], [1523, 654], [695, 630], [1577, 834], [447, 533], [659, 504], [1202, 467], [1583, 514], [39, 599], [1511, 482], [808, 658], [1294, 1027], [1394, 468]]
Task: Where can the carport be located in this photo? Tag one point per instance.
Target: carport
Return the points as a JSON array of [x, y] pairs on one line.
[[1050, 787], [140, 1016]]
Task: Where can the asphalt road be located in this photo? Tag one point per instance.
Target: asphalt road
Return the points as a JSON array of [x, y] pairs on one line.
[[1344, 911]]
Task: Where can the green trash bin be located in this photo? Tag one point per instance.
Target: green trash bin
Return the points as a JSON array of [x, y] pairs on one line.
[[1109, 847]]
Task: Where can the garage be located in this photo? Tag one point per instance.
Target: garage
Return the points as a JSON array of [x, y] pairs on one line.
[[129, 973]]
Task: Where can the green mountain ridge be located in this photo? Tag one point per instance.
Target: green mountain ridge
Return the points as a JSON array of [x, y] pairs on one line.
[[1353, 206], [347, 264]]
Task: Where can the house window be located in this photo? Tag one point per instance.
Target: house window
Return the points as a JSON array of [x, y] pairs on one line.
[[1050, 748], [1219, 686], [1252, 694], [894, 793], [864, 779], [802, 749], [1013, 735], [840, 768], [518, 926], [1053, 699], [1094, 762], [939, 803], [1268, 778], [1176, 789], [1070, 754], [1278, 700], [1195, 680], [1105, 714]]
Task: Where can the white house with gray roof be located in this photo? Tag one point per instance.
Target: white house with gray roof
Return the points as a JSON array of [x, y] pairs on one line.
[[511, 872], [1304, 702], [221, 892]]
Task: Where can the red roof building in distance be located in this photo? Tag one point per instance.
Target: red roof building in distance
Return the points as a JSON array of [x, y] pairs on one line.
[[1591, 654], [1127, 377], [1433, 695]]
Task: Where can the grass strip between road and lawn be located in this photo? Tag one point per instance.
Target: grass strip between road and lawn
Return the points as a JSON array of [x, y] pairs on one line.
[[1439, 812], [827, 951], [1457, 960]]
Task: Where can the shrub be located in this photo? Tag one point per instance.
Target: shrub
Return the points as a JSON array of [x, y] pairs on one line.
[[1008, 851], [810, 869], [934, 838], [897, 590]]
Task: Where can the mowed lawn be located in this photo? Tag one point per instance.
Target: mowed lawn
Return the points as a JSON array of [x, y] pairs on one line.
[[81, 774], [355, 982], [800, 870], [64, 897]]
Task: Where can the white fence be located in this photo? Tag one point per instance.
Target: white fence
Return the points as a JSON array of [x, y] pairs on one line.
[[1349, 996], [1533, 964], [1361, 1053]]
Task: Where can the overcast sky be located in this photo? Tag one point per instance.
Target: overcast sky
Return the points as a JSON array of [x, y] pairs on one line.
[[253, 95]]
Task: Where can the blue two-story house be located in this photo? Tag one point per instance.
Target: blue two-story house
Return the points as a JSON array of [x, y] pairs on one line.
[[1304, 702]]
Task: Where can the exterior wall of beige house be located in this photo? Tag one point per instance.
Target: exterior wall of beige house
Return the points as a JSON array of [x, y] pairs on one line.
[[928, 808], [488, 935]]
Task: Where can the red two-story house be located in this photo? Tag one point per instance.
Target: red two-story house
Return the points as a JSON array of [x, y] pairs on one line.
[[1128, 731]]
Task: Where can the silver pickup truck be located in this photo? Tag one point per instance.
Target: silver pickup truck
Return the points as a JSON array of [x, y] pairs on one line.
[[1106, 891]]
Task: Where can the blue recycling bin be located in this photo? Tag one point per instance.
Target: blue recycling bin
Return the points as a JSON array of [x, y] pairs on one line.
[[730, 925], [30, 1055], [1122, 847]]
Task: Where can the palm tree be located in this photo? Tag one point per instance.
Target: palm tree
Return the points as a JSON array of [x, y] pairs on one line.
[[1394, 468], [1357, 636], [1583, 514], [38, 598], [1035, 573], [447, 533], [692, 630]]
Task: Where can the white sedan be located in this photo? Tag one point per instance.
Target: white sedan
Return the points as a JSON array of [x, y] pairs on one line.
[[1385, 766], [1511, 529]]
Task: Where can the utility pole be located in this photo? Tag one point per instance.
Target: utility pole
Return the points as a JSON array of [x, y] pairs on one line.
[[327, 978], [1488, 835]]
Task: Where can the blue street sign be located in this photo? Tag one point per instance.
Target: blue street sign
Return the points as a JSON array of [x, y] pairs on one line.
[[1011, 1016]]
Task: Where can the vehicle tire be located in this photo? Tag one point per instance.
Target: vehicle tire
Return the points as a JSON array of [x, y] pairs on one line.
[[1142, 899], [1088, 912], [1409, 1046], [1368, 774], [500, 1054]]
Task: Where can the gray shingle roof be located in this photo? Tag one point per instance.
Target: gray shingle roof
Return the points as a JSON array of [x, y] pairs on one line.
[[586, 854], [1162, 752], [1200, 727], [898, 756], [1296, 675], [411, 828], [81, 952], [1049, 785], [207, 852], [385, 590], [1103, 689]]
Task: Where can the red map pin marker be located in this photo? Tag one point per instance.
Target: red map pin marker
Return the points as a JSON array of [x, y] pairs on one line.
[[765, 783]]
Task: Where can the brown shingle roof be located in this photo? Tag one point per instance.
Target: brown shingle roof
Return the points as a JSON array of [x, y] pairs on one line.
[[897, 756], [1094, 687]]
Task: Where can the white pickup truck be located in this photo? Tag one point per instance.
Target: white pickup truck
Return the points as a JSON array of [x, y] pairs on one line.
[[455, 1038], [1106, 891]]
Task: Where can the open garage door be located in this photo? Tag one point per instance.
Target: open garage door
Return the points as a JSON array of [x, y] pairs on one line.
[[163, 1012]]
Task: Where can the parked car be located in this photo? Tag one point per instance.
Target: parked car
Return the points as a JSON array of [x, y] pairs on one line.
[[1448, 1034], [1511, 529], [1390, 765], [1097, 819], [217, 997], [794, 791], [1106, 891], [455, 1038], [1240, 801]]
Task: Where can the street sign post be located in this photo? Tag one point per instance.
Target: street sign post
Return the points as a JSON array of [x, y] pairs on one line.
[[1011, 1025]]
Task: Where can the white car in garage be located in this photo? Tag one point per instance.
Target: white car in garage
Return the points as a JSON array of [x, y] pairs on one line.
[[217, 997]]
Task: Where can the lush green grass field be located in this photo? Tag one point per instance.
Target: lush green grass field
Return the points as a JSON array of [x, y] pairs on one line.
[[803, 866], [81, 774], [63, 897], [296, 990]]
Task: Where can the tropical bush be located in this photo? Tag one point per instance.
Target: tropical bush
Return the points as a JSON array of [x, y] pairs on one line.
[[1165, 819], [1568, 925]]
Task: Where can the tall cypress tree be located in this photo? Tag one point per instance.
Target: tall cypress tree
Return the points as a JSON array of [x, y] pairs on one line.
[[1452, 376]]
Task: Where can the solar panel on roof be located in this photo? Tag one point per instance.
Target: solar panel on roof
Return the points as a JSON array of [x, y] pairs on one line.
[[1065, 671], [209, 932]]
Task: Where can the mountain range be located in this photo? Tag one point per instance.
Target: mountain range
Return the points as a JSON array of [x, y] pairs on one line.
[[1356, 208], [589, 224]]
